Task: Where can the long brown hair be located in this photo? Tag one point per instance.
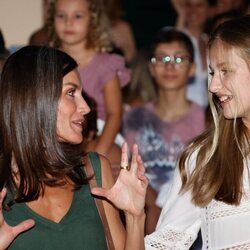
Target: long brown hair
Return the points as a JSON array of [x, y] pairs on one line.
[[218, 173], [30, 89]]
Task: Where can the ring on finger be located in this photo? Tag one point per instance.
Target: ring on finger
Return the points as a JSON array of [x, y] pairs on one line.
[[127, 167]]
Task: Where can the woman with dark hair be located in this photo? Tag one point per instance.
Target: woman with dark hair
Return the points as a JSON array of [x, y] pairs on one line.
[[42, 167]]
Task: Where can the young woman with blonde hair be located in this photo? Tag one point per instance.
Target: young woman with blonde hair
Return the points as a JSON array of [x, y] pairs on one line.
[[211, 186]]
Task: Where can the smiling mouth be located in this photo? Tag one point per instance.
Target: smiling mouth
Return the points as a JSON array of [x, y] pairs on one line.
[[225, 98], [79, 124]]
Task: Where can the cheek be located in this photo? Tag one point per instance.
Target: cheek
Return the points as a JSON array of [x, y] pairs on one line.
[[57, 25], [62, 115], [157, 71]]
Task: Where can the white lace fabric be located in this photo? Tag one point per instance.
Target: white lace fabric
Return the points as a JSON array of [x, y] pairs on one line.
[[226, 226], [239, 247], [169, 239], [223, 226]]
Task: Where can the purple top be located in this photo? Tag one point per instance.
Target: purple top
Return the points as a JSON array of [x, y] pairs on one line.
[[98, 72], [160, 142]]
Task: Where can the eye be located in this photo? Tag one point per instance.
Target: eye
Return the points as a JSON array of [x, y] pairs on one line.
[[71, 92], [59, 16], [78, 16], [224, 71], [211, 73], [166, 59], [178, 59]]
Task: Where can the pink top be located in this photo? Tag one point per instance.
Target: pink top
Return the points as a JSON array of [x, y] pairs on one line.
[[160, 143], [98, 72]]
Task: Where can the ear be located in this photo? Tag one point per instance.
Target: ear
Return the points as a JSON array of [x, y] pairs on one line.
[[192, 69], [151, 69]]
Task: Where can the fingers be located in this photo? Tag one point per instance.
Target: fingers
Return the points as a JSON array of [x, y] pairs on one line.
[[134, 164], [23, 226], [124, 157], [100, 192]]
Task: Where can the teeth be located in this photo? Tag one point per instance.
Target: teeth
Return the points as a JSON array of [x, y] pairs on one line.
[[225, 98], [80, 123]]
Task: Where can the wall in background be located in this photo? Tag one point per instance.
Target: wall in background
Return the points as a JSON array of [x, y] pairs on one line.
[[18, 19]]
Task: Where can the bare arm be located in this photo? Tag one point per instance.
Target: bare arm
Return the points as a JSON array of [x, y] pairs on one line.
[[112, 213], [124, 39], [152, 211], [179, 6], [8, 233], [128, 194], [113, 105]]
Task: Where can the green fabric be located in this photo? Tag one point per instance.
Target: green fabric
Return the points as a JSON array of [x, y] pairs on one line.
[[96, 164], [80, 228]]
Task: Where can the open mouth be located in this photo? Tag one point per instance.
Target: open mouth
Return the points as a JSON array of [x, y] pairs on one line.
[[225, 98], [78, 124]]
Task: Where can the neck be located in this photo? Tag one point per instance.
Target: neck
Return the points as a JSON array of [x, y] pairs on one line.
[[79, 52], [195, 31], [171, 105]]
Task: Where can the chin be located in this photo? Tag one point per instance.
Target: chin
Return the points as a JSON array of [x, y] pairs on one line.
[[229, 116], [73, 141], [76, 141]]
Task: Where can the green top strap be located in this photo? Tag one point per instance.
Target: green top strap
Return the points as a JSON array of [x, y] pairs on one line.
[[96, 164]]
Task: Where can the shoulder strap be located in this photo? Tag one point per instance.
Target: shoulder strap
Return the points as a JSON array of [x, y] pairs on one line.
[[95, 163], [94, 169]]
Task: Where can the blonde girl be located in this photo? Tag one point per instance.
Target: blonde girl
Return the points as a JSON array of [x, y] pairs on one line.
[[81, 30]]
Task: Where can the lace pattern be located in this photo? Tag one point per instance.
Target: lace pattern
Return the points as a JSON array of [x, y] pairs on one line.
[[217, 213], [219, 209], [169, 239], [239, 247]]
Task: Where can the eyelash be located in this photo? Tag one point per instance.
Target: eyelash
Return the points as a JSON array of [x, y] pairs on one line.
[[59, 16], [224, 71], [72, 92]]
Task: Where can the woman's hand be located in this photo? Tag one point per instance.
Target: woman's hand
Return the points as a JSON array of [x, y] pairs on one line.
[[8, 233], [129, 191]]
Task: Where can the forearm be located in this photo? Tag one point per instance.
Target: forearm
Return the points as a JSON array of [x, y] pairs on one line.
[[135, 232]]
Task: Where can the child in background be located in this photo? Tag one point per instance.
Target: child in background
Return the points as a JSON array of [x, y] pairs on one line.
[[192, 16], [162, 128], [121, 31], [81, 31]]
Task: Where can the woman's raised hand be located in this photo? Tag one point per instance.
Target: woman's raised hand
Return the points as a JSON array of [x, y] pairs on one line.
[[129, 191], [8, 233]]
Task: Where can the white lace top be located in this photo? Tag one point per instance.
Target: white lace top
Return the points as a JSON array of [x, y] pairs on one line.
[[223, 226]]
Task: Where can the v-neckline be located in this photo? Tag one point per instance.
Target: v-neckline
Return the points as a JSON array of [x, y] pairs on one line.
[[50, 222]]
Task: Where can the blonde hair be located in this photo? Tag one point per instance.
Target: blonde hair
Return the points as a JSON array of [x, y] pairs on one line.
[[98, 36], [222, 148]]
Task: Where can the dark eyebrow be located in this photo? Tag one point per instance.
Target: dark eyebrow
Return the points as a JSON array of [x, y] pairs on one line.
[[71, 84], [210, 67]]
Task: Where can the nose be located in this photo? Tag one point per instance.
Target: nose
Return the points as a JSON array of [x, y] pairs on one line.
[[84, 107], [169, 65], [68, 21], [215, 84]]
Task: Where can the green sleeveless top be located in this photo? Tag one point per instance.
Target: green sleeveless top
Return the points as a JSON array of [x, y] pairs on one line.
[[80, 228]]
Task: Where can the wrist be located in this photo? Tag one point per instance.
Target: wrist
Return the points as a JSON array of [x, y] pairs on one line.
[[135, 219]]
